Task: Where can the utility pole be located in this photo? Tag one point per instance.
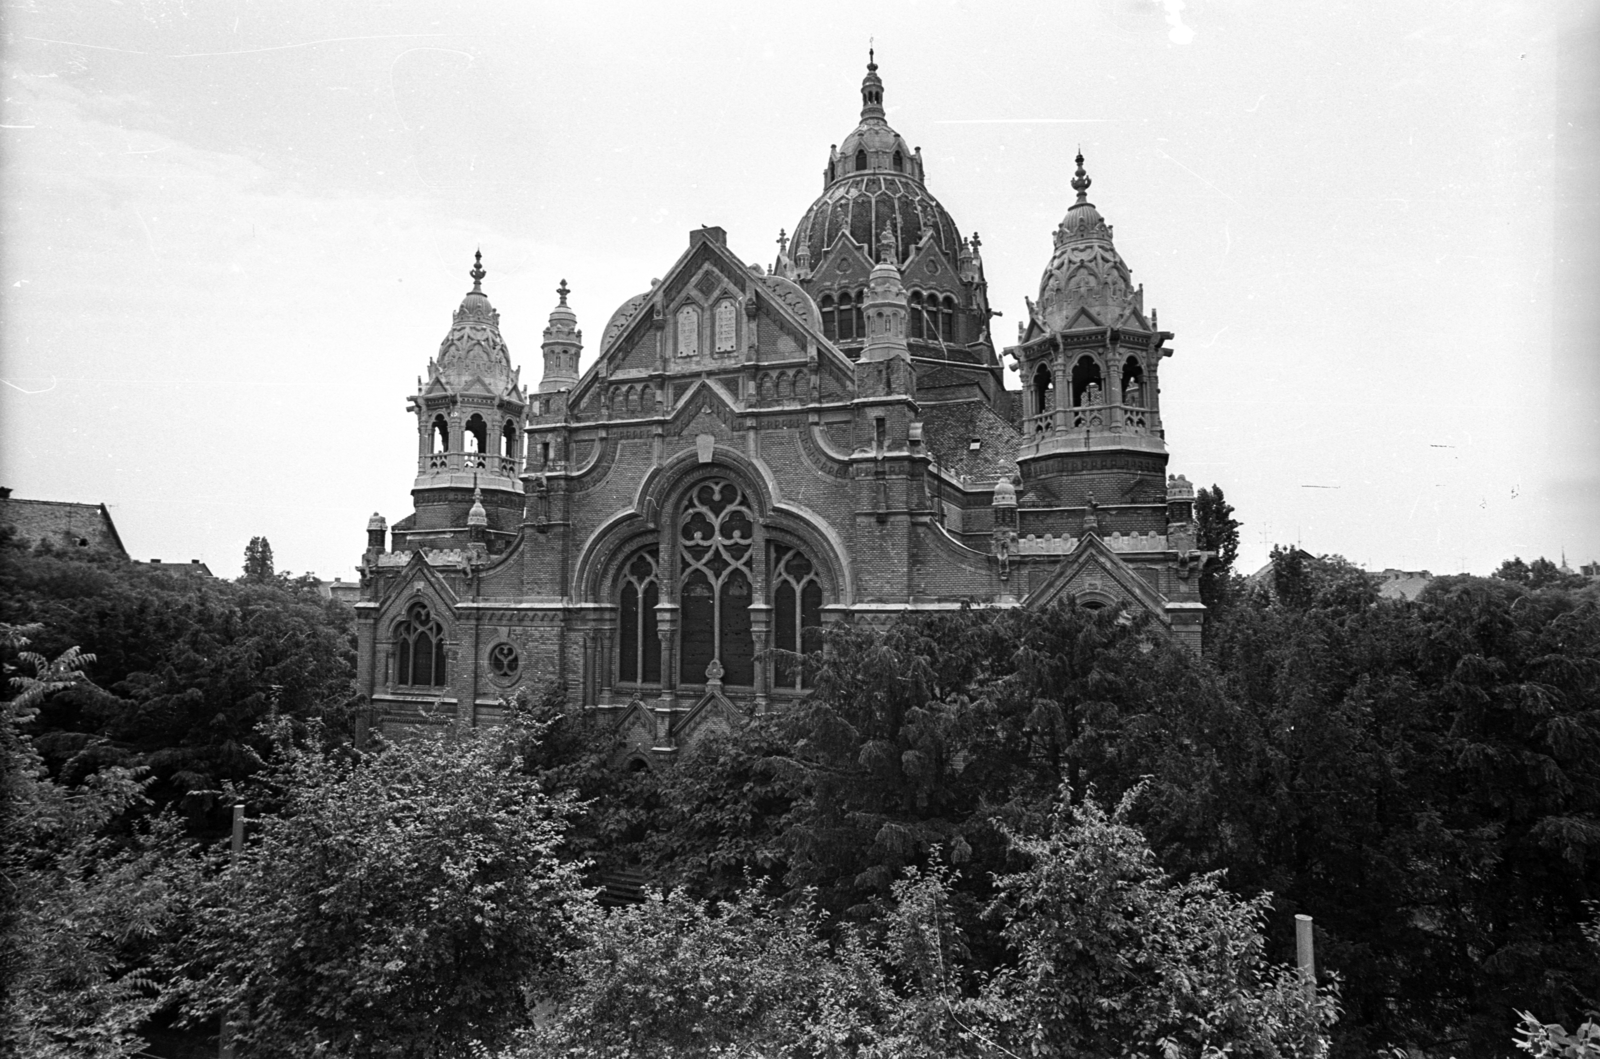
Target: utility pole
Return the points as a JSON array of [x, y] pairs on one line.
[[1307, 958]]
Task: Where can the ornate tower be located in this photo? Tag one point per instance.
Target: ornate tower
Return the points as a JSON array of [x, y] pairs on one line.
[[875, 183], [1089, 360], [470, 418], [563, 344]]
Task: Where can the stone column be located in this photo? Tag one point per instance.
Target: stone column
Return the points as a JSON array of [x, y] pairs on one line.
[[608, 664], [1064, 395], [760, 634], [587, 680], [1114, 389]]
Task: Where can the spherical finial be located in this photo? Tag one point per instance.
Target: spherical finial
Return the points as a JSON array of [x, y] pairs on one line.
[[477, 272], [563, 291], [1080, 179]]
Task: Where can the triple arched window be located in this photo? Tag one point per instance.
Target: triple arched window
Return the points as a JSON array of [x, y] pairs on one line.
[[842, 316], [419, 649], [717, 564]]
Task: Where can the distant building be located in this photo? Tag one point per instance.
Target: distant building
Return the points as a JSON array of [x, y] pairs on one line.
[[1402, 584], [346, 592], [62, 524], [192, 568]]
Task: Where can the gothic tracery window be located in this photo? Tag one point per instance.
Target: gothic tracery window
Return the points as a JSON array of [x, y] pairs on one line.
[[715, 539], [638, 646], [503, 662], [796, 615], [419, 649]]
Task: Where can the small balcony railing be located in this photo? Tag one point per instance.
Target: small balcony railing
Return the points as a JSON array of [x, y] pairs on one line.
[[444, 462]]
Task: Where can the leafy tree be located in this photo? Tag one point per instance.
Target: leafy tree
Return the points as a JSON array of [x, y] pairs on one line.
[[1115, 957], [1541, 573], [77, 907], [258, 561], [674, 976], [1218, 532], [407, 902]]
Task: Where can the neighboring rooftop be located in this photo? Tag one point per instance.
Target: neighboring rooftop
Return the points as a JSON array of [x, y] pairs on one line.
[[1402, 584], [192, 568], [63, 524]]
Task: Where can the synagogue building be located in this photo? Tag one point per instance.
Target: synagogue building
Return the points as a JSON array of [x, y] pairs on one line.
[[757, 452]]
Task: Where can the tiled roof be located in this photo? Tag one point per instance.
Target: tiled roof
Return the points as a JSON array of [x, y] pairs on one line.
[[63, 524], [949, 429]]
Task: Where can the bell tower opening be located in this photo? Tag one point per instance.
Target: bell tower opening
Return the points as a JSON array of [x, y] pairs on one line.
[[1044, 390], [1086, 384]]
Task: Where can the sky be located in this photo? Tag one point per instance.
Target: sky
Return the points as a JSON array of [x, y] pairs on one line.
[[234, 232]]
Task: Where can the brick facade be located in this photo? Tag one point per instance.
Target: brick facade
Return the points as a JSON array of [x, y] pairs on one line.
[[758, 452]]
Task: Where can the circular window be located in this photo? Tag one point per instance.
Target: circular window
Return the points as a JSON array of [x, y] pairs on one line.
[[503, 662]]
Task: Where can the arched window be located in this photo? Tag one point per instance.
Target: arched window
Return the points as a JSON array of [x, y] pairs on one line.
[[1044, 390], [715, 537], [861, 161], [846, 327], [726, 331], [796, 615], [441, 434], [508, 439], [914, 316], [1133, 392], [1086, 382], [688, 331], [947, 320], [830, 329], [638, 646], [419, 649], [861, 314], [477, 438], [899, 162]]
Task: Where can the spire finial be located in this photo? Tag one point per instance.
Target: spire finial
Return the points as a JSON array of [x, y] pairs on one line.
[[477, 272], [871, 91], [783, 241], [563, 291], [871, 63], [1080, 179]]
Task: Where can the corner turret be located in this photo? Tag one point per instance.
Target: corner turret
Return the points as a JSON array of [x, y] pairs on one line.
[[562, 346]]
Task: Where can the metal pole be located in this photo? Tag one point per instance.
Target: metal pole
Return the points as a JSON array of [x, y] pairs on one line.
[[1307, 959], [225, 1030]]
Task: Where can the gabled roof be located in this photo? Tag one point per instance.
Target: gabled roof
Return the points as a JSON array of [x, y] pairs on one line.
[[707, 247], [1095, 569], [64, 524]]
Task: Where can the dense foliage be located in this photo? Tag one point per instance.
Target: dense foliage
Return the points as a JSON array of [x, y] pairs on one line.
[[186, 667], [400, 902], [1109, 956], [1421, 777], [81, 913], [912, 860]]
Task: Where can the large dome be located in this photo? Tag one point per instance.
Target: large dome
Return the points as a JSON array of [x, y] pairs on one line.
[[873, 180]]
